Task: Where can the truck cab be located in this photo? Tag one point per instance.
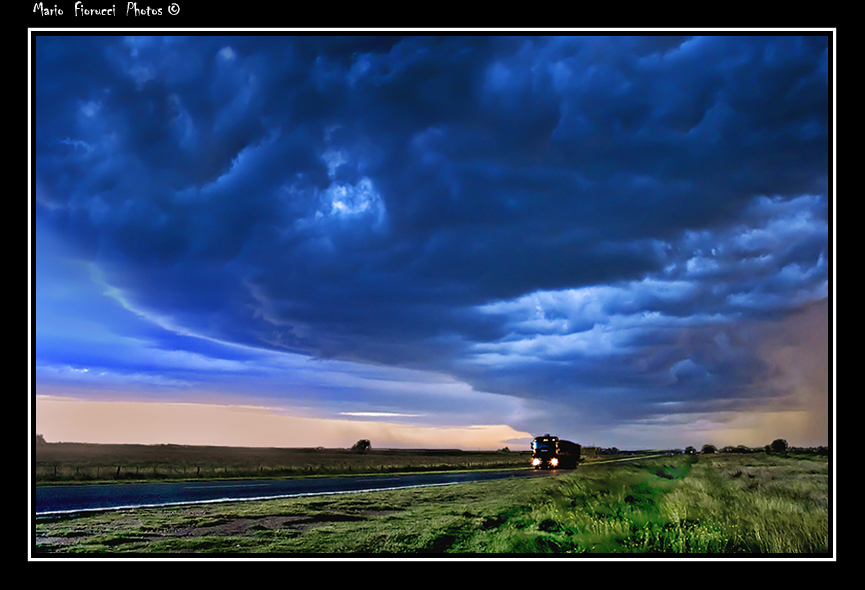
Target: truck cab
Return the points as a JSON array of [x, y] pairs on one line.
[[548, 452]]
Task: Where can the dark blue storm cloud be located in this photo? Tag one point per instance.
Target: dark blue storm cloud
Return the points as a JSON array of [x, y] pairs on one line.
[[602, 221]]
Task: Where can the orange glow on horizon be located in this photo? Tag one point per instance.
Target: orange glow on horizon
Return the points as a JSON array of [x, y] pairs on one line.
[[62, 419]]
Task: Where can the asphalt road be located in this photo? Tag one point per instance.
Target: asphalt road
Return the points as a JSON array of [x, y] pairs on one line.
[[65, 499]]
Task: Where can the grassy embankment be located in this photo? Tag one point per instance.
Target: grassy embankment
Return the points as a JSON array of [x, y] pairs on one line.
[[711, 504]]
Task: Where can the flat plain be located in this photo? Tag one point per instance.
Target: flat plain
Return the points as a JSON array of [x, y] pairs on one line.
[[78, 462], [719, 504]]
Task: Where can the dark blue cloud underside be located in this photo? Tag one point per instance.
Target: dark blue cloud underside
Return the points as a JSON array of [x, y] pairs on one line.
[[365, 197]]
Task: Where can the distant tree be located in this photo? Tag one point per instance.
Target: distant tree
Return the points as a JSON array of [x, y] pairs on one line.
[[708, 449], [505, 450], [779, 445], [361, 446]]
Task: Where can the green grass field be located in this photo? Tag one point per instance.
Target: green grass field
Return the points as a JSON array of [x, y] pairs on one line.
[[78, 463], [709, 504], [720, 504]]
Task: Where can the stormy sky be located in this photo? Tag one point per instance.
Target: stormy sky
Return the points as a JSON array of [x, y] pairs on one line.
[[455, 241]]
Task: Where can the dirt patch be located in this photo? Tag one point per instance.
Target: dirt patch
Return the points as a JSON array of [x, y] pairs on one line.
[[243, 526], [56, 541], [50, 542]]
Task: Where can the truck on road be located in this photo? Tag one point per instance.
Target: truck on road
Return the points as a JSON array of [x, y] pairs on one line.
[[550, 452]]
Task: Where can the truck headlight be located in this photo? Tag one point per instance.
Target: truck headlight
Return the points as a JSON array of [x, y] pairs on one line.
[[554, 462], [536, 462]]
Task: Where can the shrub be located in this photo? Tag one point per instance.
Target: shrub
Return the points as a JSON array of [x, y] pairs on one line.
[[779, 445]]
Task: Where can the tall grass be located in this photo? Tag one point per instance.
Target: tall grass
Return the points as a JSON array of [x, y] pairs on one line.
[[711, 504], [755, 505]]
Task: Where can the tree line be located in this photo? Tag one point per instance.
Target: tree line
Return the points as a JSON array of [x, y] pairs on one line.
[[778, 446]]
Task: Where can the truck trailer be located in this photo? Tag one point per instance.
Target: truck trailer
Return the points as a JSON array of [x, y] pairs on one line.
[[550, 452]]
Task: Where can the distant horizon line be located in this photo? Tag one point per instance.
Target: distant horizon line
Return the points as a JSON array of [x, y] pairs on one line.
[[320, 447]]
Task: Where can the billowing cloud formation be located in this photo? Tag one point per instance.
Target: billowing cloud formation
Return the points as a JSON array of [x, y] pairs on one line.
[[597, 223]]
